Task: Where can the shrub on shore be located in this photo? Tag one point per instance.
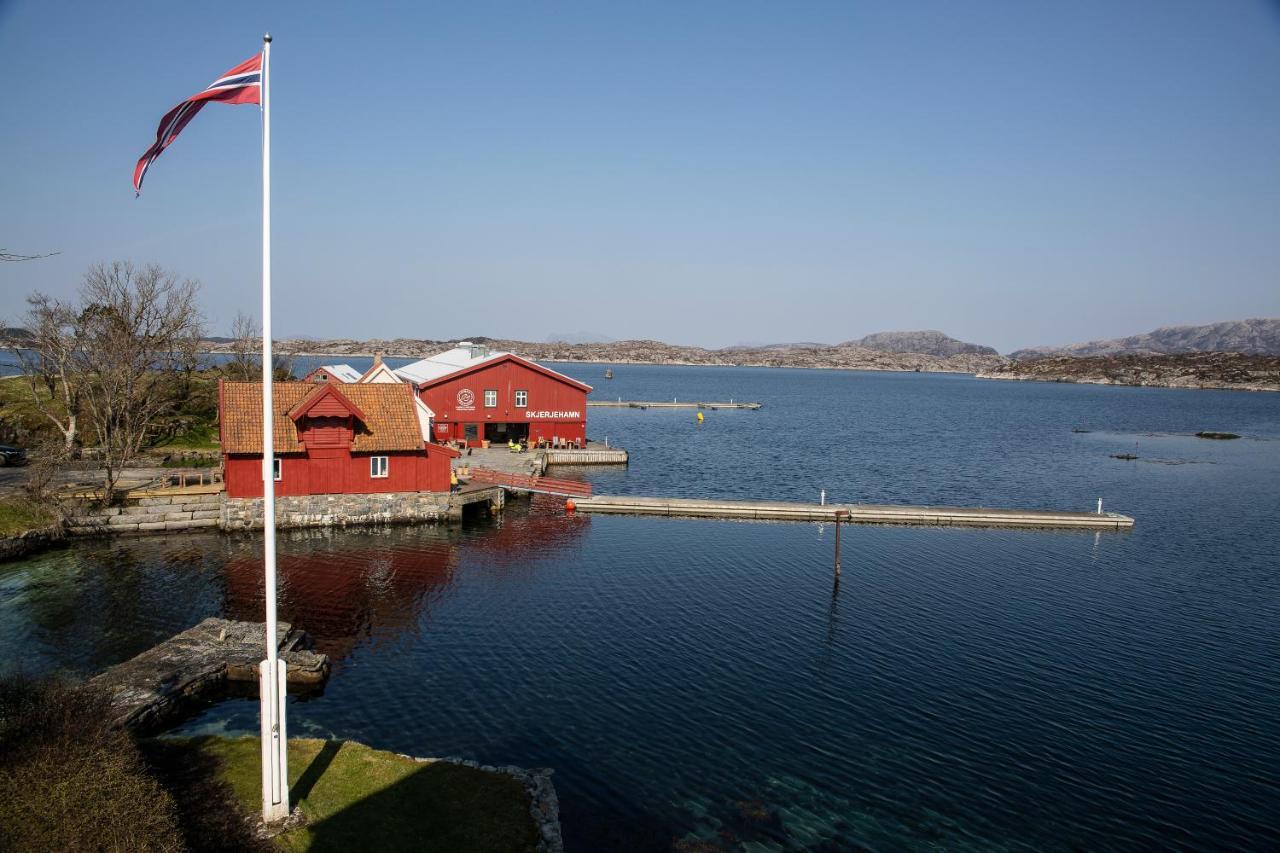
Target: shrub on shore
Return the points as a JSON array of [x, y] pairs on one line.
[[69, 781]]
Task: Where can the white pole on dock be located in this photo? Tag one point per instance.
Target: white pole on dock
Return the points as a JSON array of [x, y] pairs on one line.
[[1099, 506], [271, 678], [822, 497]]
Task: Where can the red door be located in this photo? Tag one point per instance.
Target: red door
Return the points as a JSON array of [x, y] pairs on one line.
[[326, 471]]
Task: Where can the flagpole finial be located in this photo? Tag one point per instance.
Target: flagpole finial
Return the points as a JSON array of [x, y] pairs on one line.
[[267, 37]]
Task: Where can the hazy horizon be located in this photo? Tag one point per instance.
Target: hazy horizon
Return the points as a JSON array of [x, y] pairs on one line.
[[1011, 175]]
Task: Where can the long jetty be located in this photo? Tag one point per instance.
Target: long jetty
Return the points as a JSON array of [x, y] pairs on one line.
[[673, 404], [854, 513]]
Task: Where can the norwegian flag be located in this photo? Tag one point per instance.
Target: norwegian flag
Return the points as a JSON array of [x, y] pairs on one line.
[[240, 85]]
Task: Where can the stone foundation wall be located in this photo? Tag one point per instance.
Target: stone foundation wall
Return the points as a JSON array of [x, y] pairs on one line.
[[338, 510]]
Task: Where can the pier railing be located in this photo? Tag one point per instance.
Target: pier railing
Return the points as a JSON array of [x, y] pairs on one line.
[[526, 483]]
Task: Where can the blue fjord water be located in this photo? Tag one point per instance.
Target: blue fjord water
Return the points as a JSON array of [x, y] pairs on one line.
[[705, 681]]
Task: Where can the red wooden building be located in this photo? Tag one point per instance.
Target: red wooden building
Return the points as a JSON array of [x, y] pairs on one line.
[[475, 394], [329, 439]]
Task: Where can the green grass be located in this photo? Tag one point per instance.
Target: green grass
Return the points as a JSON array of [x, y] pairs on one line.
[[201, 437], [357, 798], [18, 515]]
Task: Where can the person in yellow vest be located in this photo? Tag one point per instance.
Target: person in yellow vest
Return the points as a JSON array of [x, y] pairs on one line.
[[453, 480]]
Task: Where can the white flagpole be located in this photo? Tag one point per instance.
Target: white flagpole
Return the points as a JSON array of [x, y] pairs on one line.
[[271, 683]]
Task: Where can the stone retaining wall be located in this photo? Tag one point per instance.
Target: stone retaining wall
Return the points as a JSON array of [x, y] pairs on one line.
[[146, 515], [338, 510], [216, 511], [13, 547]]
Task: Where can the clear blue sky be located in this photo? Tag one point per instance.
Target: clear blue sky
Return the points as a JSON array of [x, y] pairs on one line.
[[713, 173]]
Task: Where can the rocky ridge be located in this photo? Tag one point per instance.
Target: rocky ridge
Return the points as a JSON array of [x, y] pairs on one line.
[[1258, 336], [1227, 370], [929, 341]]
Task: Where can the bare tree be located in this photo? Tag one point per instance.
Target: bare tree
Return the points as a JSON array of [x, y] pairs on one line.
[[14, 256], [284, 357], [47, 461], [138, 328], [50, 357], [246, 348]]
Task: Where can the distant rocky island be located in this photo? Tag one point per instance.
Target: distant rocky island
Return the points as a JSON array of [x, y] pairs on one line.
[[1259, 336], [889, 351], [1227, 370], [937, 352], [1240, 354]]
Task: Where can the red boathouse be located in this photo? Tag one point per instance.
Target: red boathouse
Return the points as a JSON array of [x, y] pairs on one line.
[[329, 439], [475, 394]]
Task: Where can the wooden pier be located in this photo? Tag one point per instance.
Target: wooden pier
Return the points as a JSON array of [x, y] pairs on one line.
[[673, 404], [590, 455], [855, 513]]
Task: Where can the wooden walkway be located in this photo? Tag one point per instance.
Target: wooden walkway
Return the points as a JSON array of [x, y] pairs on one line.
[[525, 483], [674, 404], [855, 513]]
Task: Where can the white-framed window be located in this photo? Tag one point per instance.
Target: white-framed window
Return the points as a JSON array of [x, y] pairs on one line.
[[491, 399], [277, 473], [522, 399], [377, 466]]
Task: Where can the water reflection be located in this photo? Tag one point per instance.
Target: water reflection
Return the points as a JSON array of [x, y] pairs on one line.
[[376, 586], [348, 588]]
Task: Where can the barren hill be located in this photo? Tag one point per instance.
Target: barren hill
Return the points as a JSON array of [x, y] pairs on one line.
[[1259, 336]]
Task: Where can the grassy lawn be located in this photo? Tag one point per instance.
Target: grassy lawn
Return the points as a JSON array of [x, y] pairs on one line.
[[18, 515], [357, 798]]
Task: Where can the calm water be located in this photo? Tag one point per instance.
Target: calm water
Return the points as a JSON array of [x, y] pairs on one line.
[[960, 689]]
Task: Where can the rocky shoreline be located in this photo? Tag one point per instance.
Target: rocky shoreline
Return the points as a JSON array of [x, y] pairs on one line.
[[1209, 371], [847, 356]]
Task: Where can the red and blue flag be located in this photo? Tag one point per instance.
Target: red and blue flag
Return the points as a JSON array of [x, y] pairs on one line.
[[240, 85]]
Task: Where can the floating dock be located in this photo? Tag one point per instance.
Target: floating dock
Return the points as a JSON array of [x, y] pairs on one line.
[[674, 404], [854, 513]]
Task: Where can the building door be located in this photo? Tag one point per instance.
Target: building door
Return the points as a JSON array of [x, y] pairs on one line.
[[502, 433], [327, 468]]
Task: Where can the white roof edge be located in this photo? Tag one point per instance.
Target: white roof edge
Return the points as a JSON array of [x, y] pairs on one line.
[[345, 372], [437, 367]]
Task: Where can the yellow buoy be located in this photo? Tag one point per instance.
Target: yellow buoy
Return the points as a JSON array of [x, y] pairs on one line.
[[699, 417]]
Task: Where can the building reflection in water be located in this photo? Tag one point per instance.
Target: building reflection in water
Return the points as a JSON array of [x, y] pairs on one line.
[[375, 586]]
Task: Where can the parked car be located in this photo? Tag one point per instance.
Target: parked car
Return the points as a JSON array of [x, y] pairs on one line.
[[10, 455]]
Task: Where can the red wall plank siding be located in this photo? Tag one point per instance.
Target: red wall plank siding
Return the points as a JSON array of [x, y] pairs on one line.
[[555, 409], [338, 471]]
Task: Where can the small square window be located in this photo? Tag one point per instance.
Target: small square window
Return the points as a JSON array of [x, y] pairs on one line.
[[491, 399], [522, 399], [276, 473], [377, 466]]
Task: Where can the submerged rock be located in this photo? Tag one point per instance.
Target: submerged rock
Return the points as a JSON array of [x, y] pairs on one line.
[[1221, 436]]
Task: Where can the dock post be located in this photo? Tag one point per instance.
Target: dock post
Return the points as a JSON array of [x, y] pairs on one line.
[[822, 497], [1099, 506], [839, 514]]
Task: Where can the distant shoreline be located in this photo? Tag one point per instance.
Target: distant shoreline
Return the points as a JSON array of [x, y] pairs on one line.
[[1192, 371]]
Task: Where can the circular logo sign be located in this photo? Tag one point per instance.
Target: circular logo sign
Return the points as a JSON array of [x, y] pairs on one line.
[[466, 397]]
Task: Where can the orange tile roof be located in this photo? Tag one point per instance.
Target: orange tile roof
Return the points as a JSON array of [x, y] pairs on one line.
[[391, 421]]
